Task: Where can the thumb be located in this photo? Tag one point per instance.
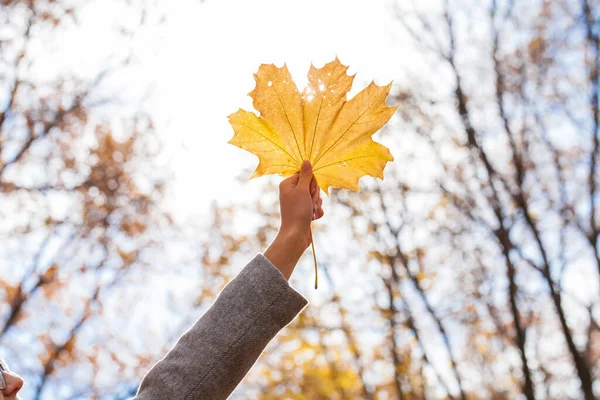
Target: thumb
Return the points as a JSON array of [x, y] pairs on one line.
[[305, 175]]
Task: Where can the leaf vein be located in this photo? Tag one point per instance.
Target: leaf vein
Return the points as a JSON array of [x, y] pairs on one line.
[[284, 150]]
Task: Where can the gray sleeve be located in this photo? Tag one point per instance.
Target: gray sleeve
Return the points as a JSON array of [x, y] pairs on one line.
[[211, 359]]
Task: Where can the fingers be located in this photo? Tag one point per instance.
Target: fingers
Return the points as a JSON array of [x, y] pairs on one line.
[[318, 209], [303, 178], [320, 214], [289, 183], [315, 192], [306, 175], [293, 180]]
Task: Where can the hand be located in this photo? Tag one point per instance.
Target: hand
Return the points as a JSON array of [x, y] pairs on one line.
[[300, 203], [14, 383]]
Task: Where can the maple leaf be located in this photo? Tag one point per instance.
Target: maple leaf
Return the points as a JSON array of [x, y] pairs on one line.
[[319, 125]]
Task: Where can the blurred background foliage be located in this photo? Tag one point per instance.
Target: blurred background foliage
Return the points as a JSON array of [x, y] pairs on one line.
[[471, 272]]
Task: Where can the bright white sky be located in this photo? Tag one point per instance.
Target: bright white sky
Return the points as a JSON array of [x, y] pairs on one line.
[[202, 63]]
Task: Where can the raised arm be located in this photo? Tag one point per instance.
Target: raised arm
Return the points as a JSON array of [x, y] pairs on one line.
[[210, 360]]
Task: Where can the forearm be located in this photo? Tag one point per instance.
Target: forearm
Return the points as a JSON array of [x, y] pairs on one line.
[[211, 359]]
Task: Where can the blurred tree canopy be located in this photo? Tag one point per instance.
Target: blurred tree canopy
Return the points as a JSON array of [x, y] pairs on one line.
[[78, 199], [473, 269], [471, 272]]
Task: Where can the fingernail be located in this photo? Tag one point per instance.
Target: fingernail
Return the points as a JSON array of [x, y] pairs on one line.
[[306, 166]]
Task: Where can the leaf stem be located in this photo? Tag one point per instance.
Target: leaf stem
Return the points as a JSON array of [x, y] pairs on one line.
[[312, 244]]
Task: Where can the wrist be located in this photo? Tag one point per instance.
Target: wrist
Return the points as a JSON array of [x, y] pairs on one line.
[[295, 236], [285, 251]]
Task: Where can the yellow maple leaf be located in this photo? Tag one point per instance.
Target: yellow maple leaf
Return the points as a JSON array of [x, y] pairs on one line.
[[319, 125]]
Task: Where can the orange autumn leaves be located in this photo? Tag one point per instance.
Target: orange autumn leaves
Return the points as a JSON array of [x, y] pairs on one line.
[[318, 125]]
